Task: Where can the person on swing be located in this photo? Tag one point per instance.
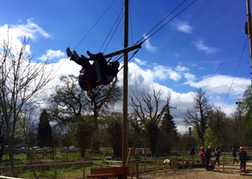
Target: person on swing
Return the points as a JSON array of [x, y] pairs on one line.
[[92, 75]]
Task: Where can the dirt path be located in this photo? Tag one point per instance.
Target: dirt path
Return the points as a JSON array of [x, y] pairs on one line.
[[218, 173]]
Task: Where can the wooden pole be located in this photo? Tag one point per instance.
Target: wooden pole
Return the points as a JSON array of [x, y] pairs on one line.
[[125, 89], [250, 43], [103, 159]]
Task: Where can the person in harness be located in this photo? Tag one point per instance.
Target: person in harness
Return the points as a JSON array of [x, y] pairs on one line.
[[100, 72]]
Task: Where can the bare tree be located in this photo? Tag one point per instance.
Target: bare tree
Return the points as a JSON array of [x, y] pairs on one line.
[[20, 81], [147, 106], [149, 109], [198, 114]]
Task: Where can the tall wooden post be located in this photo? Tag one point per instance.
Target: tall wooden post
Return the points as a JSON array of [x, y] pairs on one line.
[[250, 43], [125, 89]]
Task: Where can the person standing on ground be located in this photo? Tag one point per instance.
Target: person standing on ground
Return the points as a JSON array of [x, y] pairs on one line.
[[192, 153], [217, 155], [234, 155], [242, 158], [208, 155], [202, 155]]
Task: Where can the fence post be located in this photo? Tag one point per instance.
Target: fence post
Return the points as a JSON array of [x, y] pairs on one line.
[[136, 169], [183, 164], [154, 167], [223, 164], [55, 172], [54, 152], [84, 168], [144, 165]]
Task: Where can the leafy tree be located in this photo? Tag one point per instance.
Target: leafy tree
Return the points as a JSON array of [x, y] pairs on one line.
[[114, 130], [217, 127], [244, 104], [103, 98], [210, 138], [21, 79], [241, 120], [44, 137], [135, 132], [152, 135], [84, 133], [69, 101], [198, 114]]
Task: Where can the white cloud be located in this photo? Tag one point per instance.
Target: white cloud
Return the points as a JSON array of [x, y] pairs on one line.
[[220, 84], [189, 76], [16, 34], [30, 30], [148, 46], [181, 68], [182, 26], [162, 73], [51, 54], [140, 62], [200, 44]]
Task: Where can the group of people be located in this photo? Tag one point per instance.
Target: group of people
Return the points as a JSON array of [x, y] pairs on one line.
[[206, 155]]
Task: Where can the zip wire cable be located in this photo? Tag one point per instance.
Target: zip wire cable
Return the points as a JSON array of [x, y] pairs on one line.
[[94, 25], [224, 60], [236, 91], [114, 30], [245, 44], [145, 38], [148, 36], [163, 20], [87, 34]]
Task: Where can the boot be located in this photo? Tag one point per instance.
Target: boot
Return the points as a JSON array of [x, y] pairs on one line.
[[69, 53], [76, 56]]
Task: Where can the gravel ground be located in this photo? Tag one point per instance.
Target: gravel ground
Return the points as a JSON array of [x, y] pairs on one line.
[[200, 173]]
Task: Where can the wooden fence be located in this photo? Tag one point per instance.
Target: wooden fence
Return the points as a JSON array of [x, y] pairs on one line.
[[141, 167]]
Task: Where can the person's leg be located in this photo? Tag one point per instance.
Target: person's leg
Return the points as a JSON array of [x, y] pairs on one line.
[[207, 164], [83, 61]]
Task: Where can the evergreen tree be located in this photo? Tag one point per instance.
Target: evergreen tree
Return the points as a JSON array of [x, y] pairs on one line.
[[168, 133], [44, 136]]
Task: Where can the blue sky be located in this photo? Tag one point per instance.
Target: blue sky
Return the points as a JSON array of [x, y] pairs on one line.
[[204, 46]]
